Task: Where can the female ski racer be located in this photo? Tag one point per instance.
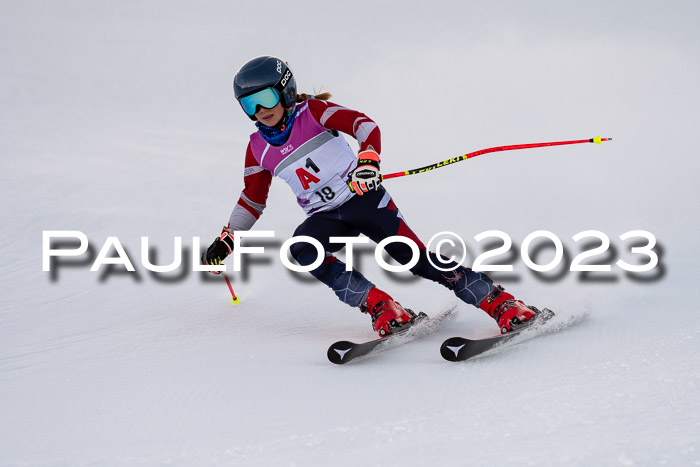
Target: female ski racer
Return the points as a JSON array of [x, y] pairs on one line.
[[297, 140]]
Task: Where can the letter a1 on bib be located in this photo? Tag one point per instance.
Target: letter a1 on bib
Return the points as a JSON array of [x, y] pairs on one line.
[[306, 178]]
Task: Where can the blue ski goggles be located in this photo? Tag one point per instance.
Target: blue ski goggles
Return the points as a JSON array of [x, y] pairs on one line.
[[268, 98]]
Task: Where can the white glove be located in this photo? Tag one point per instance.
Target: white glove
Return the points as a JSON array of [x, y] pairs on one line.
[[366, 176]]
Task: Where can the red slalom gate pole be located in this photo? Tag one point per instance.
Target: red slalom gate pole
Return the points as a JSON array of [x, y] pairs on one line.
[[437, 165], [234, 299]]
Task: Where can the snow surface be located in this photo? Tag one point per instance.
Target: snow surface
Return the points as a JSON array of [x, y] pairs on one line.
[[117, 119]]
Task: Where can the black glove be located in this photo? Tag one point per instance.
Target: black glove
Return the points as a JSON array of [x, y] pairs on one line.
[[219, 249]]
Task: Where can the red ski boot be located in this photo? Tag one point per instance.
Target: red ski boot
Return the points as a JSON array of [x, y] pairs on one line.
[[387, 315], [511, 314]]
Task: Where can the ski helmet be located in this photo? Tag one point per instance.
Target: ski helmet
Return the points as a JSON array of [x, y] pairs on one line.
[[266, 72]]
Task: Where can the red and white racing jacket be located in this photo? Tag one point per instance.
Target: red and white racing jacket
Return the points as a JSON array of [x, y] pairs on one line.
[[315, 161]]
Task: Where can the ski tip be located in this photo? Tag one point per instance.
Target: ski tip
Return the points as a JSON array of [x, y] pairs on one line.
[[336, 352], [451, 349]]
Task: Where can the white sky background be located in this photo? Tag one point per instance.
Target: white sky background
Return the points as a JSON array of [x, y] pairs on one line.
[[441, 79]]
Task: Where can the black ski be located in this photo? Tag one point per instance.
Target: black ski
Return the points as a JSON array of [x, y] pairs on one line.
[[458, 349], [342, 352]]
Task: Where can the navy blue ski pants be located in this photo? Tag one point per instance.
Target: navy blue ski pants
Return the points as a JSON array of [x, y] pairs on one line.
[[375, 215]]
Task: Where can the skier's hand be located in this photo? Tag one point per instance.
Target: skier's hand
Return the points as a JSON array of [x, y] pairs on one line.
[[219, 249], [366, 176]]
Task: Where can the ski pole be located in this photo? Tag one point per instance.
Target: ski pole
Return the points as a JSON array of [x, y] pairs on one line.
[[234, 299], [437, 165]]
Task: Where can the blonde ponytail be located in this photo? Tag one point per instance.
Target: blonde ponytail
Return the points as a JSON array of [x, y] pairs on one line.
[[324, 96]]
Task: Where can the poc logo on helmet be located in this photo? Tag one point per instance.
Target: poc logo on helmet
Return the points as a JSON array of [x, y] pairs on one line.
[[286, 77], [279, 67]]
